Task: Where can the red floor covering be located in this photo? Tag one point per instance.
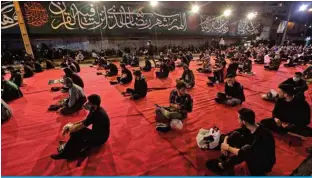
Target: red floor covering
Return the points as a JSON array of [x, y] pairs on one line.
[[134, 147]]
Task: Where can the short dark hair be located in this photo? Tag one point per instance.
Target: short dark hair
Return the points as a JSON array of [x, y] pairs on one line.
[[247, 115], [230, 75], [68, 71], [68, 80], [137, 73], [299, 74], [95, 99], [287, 88], [180, 85]]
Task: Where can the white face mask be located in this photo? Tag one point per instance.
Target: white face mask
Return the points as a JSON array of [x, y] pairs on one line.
[[296, 79]]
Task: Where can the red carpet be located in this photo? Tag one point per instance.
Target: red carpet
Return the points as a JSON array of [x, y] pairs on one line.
[[134, 147]]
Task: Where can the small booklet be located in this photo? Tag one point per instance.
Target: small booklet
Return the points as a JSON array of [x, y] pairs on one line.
[[55, 81]]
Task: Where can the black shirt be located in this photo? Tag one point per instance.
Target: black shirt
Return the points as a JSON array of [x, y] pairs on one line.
[[164, 69], [295, 112], [260, 155], [299, 86], [236, 91], [232, 68], [140, 87], [100, 125], [77, 80], [113, 68], [128, 73]]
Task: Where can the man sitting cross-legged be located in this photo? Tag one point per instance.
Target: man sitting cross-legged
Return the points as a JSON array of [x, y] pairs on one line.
[[16, 76], [76, 98], [256, 149], [126, 76], [234, 92], [148, 65], [9, 90], [297, 82], [181, 103], [290, 114], [81, 137], [113, 70], [187, 77], [163, 71], [140, 87]]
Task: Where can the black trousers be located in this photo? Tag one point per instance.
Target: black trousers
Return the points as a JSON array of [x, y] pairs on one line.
[[123, 80], [70, 110], [110, 74], [271, 124], [161, 75], [80, 140], [134, 95], [228, 162]]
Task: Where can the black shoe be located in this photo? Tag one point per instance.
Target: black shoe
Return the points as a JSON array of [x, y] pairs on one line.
[[58, 156], [113, 83], [219, 101], [163, 128]]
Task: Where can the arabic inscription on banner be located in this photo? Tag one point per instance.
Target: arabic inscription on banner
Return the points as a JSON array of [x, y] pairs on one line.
[[94, 16], [248, 27], [8, 15], [211, 24]]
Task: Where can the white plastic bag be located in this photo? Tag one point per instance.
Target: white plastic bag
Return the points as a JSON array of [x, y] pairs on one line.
[[176, 124], [206, 133]]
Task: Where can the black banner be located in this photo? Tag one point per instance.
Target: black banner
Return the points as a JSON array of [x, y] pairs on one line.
[[127, 19]]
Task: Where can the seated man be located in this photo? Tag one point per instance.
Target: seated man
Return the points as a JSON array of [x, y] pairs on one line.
[[274, 64], [140, 87], [290, 114], [246, 66], [234, 93], [255, 151], [76, 98], [28, 71], [126, 76], [10, 91], [148, 65], [6, 112], [187, 77], [181, 103], [126, 59], [232, 68], [102, 63], [206, 65], [79, 57], [163, 71], [260, 59], [113, 70], [38, 67], [49, 64], [75, 77], [297, 82], [16, 76], [170, 62], [135, 61], [307, 74], [218, 73], [81, 137]]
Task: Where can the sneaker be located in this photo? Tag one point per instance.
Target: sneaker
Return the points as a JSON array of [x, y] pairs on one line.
[[163, 128]]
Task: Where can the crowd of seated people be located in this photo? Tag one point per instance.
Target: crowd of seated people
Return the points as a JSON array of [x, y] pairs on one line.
[[252, 143]]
